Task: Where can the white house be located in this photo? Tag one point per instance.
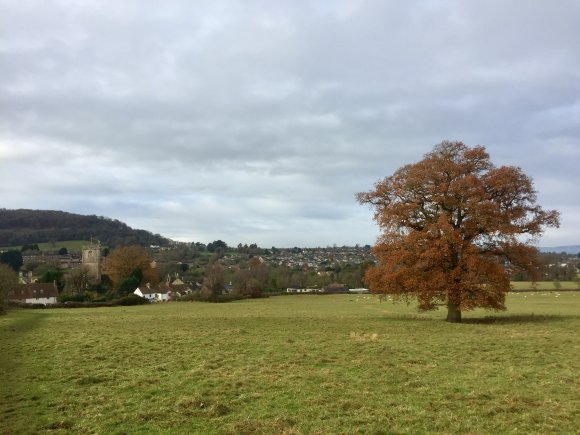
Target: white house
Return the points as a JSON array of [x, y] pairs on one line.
[[302, 290], [158, 294]]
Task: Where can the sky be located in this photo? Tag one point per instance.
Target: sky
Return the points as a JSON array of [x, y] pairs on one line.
[[258, 121]]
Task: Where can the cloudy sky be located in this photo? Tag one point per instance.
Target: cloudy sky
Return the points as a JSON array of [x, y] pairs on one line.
[[258, 121]]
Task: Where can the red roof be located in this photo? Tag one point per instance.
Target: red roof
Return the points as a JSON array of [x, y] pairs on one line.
[[36, 290]]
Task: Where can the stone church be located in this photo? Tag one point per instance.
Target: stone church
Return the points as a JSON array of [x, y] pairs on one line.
[[91, 259]]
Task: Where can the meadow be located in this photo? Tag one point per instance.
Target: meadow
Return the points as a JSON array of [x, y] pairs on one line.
[[545, 285], [292, 364], [70, 245]]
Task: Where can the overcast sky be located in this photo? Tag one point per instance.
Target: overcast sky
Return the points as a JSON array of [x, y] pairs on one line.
[[258, 121]]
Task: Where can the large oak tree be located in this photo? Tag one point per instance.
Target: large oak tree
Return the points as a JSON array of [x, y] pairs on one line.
[[453, 228]]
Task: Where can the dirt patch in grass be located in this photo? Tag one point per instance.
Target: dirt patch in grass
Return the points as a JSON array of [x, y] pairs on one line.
[[59, 425]]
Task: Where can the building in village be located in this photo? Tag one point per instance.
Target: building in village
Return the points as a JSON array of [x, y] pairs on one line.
[[91, 260], [34, 293], [171, 289]]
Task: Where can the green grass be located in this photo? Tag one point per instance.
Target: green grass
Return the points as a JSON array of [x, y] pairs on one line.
[[70, 245], [302, 364], [545, 285]]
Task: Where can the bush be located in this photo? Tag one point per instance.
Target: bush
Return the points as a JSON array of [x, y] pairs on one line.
[[72, 304], [131, 300], [207, 296], [64, 298], [101, 300], [18, 304]]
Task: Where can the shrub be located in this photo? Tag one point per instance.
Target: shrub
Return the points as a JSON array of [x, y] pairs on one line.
[[208, 296], [131, 300], [72, 304], [67, 297]]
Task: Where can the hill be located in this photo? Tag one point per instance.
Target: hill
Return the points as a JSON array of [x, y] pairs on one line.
[[20, 227], [569, 249]]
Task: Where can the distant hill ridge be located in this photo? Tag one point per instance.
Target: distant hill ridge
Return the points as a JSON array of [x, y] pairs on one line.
[[23, 226], [568, 249]]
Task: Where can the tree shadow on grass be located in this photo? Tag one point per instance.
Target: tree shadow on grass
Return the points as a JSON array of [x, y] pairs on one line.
[[405, 317], [515, 319]]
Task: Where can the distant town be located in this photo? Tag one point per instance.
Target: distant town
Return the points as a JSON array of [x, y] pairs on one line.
[[59, 257]]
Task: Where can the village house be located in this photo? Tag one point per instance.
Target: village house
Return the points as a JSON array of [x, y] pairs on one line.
[[153, 294], [26, 278], [170, 290], [34, 293], [177, 287], [302, 290]]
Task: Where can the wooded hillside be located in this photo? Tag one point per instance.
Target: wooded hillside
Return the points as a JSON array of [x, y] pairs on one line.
[[19, 227]]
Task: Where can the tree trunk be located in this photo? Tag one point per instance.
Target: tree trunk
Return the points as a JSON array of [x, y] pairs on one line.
[[453, 313]]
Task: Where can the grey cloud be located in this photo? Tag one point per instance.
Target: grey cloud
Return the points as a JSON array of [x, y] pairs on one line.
[[219, 120]]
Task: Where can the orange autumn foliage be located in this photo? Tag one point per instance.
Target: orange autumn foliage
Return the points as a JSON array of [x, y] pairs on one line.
[[453, 226], [122, 262]]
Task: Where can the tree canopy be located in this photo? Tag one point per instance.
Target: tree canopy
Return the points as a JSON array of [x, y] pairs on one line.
[[78, 281], [129, 262], [8, 279], [217, 245], [454, 226], [13, 259]]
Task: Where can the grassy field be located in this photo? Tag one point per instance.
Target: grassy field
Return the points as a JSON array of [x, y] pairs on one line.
[[302, 364], [70, 245], [546, 285]]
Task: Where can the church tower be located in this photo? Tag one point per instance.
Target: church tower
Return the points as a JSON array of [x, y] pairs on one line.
[[92, 260]]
